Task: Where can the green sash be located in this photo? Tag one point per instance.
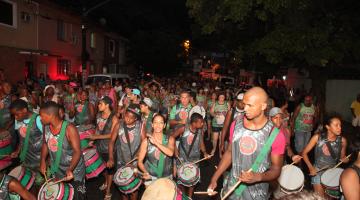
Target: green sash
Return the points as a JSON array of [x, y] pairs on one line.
[[55, 167], [26, 142], [159, 169], [260, 158]]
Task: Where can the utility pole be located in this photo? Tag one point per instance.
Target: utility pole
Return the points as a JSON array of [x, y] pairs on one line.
[[84, 53]]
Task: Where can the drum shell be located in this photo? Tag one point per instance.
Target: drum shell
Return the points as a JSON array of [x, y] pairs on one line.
[[131, 184], [24, 175], [93, 163], [332, 190], [84, 132]]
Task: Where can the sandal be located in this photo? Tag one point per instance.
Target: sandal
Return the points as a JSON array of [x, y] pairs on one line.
[[107, 197], [103, 187]]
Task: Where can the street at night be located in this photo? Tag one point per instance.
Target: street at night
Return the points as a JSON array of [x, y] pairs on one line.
[[179, 100]]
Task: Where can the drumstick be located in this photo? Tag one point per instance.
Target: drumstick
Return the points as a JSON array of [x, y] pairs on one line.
[[206, 192], [326, 167], [203, 159], [341, 162], [131, 161], [233, 188], [59, 181], [290, 164], [181, 162], [215, 167], [46, 179]]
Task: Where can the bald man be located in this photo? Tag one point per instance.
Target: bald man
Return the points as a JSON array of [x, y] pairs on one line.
[[247, 138]]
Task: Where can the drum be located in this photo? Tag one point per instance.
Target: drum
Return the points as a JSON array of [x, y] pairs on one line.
[[84, 132], [93, 162], [5, 149], [330, 180], [289, 185], [188, 174], [220, 119], [197, 109], [24, 175], [58, 191], [126, 180], [163, 189]]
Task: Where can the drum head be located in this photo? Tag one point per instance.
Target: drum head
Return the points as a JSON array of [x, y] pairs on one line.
[[291, 177], [197, 109], [331, 177], [161, 189], [188, 171], [123, 175]]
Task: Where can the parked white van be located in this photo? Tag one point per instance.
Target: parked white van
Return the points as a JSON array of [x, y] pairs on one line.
[[95, 78]]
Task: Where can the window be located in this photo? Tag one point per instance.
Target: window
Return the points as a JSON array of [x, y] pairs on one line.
[[8, 13], [63, 67], [92, 41], [112, 48], [61, 30]]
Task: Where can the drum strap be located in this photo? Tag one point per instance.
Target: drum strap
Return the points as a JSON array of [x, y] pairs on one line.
[[108, 120], [26, 142], [55, 167], [331, 150], [260, 158], [159, 169], [128, 139], [191, 146]]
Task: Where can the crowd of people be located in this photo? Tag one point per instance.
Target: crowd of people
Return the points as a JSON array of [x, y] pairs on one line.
[[137, 133]]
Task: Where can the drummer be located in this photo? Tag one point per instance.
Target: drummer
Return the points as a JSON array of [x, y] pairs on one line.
[[350, 178], [106, 122], [248, 142], [330, 148], [30, 129], [9, 186], [62, 143], [127, 134], [158, 150], [83, 111], [191, 143]]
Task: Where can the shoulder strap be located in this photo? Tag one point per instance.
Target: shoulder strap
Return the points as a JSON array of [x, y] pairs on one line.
[[108, 120], [55, 167], [128, 139], [26, 142], [260, 158], [331, 150]]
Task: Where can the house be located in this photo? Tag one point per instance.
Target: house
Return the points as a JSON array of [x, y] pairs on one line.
[[40, 37]]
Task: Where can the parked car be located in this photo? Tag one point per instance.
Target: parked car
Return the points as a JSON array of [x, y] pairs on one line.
[[95, 78]]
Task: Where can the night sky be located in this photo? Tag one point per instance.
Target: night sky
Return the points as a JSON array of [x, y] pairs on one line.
[[155, 28]]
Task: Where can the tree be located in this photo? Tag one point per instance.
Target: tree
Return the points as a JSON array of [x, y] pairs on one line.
[[305, 33]]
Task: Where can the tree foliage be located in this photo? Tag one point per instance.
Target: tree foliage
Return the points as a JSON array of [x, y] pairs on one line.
[[289, 32]]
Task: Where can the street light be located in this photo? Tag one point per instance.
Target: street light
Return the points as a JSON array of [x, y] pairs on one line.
[[84, 53]]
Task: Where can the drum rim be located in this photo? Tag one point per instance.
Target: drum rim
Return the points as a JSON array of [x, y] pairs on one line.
[[43, 185], [302, 182], [131, 179]]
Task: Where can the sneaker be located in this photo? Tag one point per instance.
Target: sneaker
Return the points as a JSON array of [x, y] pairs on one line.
[[103, 187]]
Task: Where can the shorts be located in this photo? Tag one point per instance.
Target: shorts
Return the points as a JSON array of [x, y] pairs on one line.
[[105, 157], [216, 129], [316, 180]]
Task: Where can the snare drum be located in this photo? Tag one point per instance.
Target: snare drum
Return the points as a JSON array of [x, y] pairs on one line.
[[5, 149], [126, 180], [163, 189], [330, 180], [93, 162], [58, 191], [188, 174], [84, 132], [291, 180], [24, 175]]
